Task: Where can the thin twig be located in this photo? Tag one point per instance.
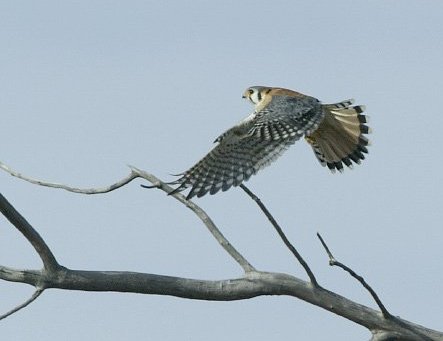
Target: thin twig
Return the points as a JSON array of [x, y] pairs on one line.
[[157, 183], [101, 190], [16, 219], [282, 235], [334, 262], [253, 284], [207, 221], [34, 296]]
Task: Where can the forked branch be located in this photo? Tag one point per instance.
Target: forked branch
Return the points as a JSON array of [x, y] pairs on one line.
[[253, 283], [157, 183], [378, 335], [334, 262], [201, 214]]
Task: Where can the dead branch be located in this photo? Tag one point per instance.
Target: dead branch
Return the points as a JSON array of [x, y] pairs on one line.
[[133, 175], [254, 283], [16, 219], [34, 296], [377, 334], [334, 262], [281, 234], [201, 214], [157, 183]]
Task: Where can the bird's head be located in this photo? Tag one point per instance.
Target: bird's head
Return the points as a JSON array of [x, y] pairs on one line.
[[256, 94]]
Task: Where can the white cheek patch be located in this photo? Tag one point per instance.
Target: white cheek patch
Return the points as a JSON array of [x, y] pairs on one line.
[[254, 98]]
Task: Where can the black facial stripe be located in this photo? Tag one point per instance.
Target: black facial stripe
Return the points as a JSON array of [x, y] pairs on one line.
[[259, 96]]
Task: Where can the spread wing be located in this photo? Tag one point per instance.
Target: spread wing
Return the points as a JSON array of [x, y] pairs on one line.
[[251, 145]]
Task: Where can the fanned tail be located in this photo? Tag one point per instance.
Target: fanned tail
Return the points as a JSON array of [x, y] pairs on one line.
[[340, 138]]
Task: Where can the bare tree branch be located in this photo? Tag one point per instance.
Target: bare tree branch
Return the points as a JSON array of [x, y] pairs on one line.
[[16, 219], [379, 334], [334, 262], [201, 214], [101, 190], [282, 235], [157, 183], [34, 296], [254, 283], [390, 336]]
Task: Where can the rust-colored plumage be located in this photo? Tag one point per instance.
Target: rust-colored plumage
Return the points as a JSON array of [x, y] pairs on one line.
[[281, 117], [339, 139]]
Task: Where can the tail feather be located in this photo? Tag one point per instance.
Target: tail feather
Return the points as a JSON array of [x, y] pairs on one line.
[[340, 138], [341, 105]]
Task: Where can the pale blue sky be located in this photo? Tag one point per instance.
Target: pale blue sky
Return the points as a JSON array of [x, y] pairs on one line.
[[90, 86]]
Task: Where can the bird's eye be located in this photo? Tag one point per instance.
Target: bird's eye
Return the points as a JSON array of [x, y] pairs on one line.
[[251, 91]]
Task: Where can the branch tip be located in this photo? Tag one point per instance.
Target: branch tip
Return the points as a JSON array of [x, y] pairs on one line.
[[134, 174], [281, 234], [334, 262], [330, 255], [156, 183], [134, 169], [34, 296], [52, 267]]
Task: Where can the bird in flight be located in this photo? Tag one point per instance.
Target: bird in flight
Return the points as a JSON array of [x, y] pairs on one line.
[[281, 117]]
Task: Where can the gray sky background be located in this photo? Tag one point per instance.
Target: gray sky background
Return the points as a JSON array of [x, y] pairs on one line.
[[88, 87]]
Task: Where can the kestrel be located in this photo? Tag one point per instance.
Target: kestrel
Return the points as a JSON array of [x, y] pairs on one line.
[[281, 117]]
